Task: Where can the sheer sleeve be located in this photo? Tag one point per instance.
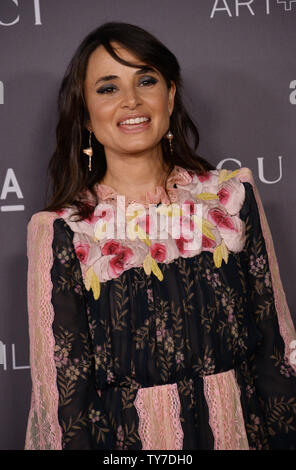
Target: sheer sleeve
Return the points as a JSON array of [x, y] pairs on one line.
[[272, 368], [43, 430], [64, 390]]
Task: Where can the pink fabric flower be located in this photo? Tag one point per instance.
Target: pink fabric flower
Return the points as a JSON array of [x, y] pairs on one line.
[[180, 242], [179, 176], [82, 250], [158, 252], [208, 243], [119, 261], [183, 225], [143, 222], [111, 248], [204, 177], [221, 219], [191, 206], [61, 212], [186, 226], [230, 228], [104, 227], [234, 238], [232, 195], [104, 212], [224, 195], [92, 219]]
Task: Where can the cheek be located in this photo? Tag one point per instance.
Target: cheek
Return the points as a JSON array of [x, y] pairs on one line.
[[100, 113], [102, 117], [160, 103], [161, 113]]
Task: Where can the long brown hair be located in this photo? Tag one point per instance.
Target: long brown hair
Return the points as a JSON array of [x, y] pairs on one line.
[[68, 170]]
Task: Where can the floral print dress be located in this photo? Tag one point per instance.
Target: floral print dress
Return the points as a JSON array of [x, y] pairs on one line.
[[144, 342]]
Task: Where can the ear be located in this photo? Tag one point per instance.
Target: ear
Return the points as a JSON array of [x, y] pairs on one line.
[[171, 100]]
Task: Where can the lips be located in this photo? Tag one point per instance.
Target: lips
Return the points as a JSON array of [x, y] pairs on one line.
[[133, 116], [136, 127]]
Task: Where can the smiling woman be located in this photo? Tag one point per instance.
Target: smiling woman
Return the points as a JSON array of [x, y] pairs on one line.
[[129, 115], [140, 339], [120, 72]]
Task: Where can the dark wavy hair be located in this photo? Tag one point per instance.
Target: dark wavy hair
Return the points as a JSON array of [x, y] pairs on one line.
[[68, 167]]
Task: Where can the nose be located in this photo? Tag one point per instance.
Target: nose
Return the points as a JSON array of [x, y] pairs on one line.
[[130, 98]]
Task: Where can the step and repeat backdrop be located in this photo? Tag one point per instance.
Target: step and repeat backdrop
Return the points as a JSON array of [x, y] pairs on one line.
[[239, 70]]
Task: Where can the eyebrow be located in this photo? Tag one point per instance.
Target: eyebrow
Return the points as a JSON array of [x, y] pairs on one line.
[[144, 69]]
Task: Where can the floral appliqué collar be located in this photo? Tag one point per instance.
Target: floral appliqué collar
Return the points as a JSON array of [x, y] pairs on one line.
[[102, 257]]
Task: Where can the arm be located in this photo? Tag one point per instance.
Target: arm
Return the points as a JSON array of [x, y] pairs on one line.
[[81, 412], [43, 430], [272, 368], [65, 397]]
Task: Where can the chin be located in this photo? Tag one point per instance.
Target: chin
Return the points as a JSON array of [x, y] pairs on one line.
[[134, 149], [139, 151]]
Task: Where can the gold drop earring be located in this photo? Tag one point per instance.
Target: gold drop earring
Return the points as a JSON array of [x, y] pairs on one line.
[[170, 137], [89, 151]]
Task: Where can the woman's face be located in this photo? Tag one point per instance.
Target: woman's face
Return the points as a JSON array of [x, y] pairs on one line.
[[115, 93]]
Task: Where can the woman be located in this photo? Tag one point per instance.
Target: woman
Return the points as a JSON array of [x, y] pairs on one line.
[[142, 339]]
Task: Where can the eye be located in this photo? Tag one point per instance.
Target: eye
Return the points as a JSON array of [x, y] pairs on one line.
[[106, 90], [148, 81], [109, 89]]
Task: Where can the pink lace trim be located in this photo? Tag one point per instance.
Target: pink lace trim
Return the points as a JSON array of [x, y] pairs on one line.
[[178, 175], [43, 429], [225, 413], [286, 325], [158, 409]]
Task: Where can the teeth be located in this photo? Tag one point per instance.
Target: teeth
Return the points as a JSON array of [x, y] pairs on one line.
[[138, 120]]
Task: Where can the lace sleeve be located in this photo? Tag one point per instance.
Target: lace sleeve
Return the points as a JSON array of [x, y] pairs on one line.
[[66, 411], [273, 371], [43, 430]]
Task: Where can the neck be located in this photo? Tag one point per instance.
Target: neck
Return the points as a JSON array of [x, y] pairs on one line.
[[134, 175]]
